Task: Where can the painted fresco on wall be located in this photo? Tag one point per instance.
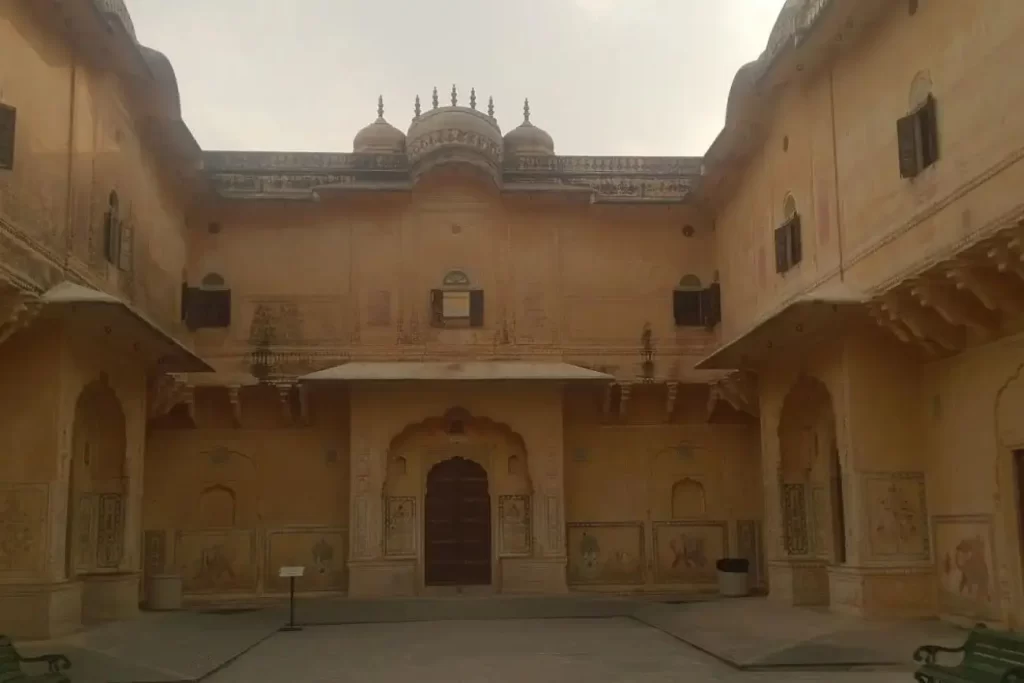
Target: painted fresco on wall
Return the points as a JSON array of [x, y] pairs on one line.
[[966, 566], [514, 525], [22, 527], [794, 518], [400, 523], [686, 552], [217, 561], [321, 551], [606, 553], [154, 547], [897, 515], [110, 530]]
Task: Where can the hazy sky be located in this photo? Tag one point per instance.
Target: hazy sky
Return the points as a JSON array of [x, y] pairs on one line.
[[603, 76]]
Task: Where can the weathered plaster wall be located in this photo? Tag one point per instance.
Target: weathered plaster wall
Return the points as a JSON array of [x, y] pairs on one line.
[[227, 505], [653, 500], [80, 136], [576, 280]]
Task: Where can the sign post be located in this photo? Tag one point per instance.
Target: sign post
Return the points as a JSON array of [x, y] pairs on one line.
[[291, 573]]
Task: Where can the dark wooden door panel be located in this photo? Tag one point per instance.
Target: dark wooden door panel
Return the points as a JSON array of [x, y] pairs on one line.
[[457, 524]]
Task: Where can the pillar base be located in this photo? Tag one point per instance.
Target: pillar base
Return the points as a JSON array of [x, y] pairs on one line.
[[530, 575], [893, 592], [40, 611], [109, 597], [801, 583], [381, 578]]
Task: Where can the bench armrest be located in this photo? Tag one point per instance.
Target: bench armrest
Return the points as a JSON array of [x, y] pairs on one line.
[[56, 663], [1014, 675], [926, 653]]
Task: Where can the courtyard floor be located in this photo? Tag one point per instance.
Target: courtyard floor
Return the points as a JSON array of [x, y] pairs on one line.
[[591, 639]]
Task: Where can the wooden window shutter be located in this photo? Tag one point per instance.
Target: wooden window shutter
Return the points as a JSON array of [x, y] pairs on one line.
[[219, 307], [185, 289], [908, 138], [476, 308], [796, 246], [711, 305], [929, 131], [437, 307], [8, 119], [781, 250], [686, 307]]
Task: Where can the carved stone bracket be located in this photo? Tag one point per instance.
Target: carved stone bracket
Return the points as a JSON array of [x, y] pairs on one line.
[[17, 312], [955, 306], [924, 323], [165, 392], [739, 390], [672, 390], [992, 290]]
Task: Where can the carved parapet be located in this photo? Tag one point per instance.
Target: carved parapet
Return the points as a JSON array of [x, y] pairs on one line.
[[739, 390], [17, 311]]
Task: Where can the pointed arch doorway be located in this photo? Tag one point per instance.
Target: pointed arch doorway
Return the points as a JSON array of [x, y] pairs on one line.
[[457, 521]]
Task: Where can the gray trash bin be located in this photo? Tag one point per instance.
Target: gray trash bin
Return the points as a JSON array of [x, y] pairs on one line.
[[733, 577], [163, 592]]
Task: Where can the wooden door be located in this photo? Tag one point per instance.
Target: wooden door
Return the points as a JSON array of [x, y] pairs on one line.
[[458, 525]]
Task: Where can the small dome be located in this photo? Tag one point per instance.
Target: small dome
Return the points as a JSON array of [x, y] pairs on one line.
[[528, 139], [455, 135], [169, 101], [380, 137]]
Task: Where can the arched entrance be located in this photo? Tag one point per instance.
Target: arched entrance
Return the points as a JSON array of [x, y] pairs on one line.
[[96, 507], [457, 525], [811, 487]]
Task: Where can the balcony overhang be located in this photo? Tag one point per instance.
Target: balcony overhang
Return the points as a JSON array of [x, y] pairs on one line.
[[100, 314], [471, 371], [796, 325]]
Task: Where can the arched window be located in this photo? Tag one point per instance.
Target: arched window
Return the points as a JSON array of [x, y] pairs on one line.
[[788, 240], [209, 304], [457, 303], [694, 305], [918, 131]]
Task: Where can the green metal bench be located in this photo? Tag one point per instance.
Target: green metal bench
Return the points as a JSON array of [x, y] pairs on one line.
[[11, 661], [988, 656]]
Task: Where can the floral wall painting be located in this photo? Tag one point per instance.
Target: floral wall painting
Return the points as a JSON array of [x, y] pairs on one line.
[[606, 553], [965, 561]]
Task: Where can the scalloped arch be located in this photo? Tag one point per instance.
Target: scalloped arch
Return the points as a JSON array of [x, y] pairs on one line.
[[450, 417]]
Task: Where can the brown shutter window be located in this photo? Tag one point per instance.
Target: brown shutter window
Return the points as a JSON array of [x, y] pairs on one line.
[[8, 119], [207, 308], [908, 138], [686, 307], [219, 302], [796, 247], [111, 236], [711, 305], [437, 307], [781, 250], [929, 131], [476, 308]]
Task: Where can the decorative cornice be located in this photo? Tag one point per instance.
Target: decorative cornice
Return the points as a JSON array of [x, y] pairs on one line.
[[287, 175]]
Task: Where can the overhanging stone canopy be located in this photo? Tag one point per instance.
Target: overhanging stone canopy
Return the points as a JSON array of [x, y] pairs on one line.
[[797, 324], [80, 304], [392, 371]]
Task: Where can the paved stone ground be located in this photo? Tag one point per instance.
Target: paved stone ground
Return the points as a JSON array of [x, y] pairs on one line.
[[592, 650], [544, 638]]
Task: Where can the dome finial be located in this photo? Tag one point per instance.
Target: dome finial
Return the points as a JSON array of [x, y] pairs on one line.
[[455, 96], [416, 107], [526, 110], [472, 98], [380, 107], [490, 107], [435, 97]]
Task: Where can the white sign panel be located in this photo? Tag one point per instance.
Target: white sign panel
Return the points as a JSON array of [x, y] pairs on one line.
[[291, 572]]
